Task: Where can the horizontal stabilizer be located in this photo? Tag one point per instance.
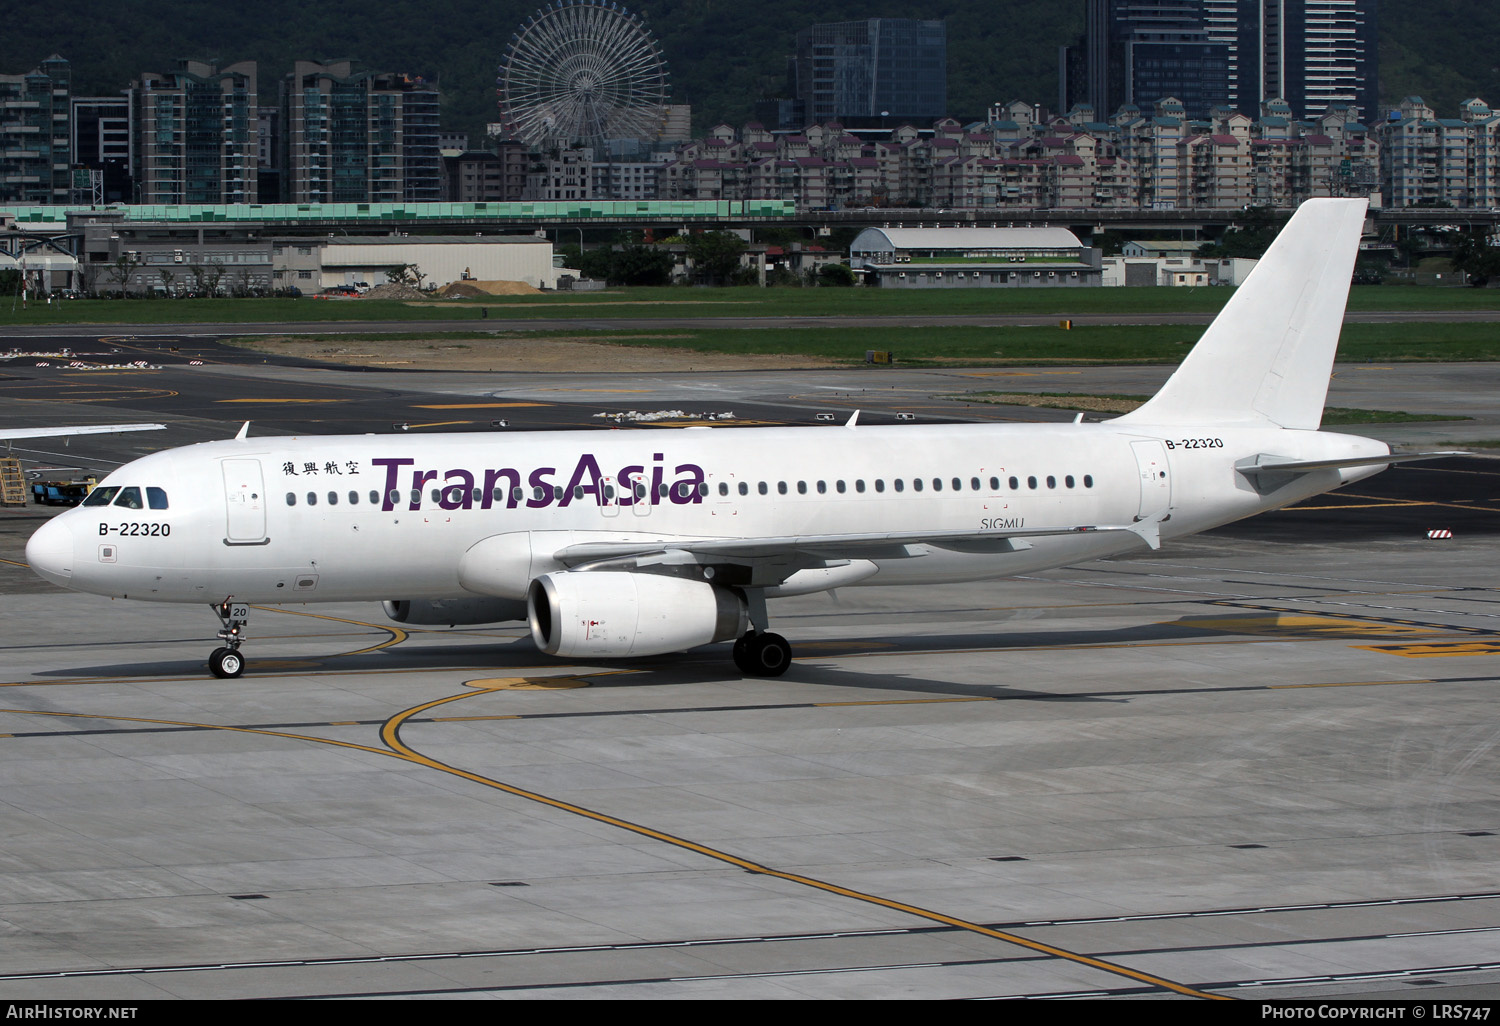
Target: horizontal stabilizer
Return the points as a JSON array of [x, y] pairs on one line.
[[1276, 465]]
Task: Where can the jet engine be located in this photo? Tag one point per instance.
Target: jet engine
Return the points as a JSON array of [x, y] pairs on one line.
[[611, 614], [453, 612]]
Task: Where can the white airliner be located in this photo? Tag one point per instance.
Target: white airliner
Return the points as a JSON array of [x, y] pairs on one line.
[[637, 543]]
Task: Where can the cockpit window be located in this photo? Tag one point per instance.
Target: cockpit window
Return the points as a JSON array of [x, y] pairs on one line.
[[156, 498], [130, 498], [101, 496]]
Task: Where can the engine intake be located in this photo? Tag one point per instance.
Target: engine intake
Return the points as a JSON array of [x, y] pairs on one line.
[[613, 614]]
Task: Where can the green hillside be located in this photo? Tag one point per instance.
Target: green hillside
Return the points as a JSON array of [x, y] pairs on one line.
[[723, 55]]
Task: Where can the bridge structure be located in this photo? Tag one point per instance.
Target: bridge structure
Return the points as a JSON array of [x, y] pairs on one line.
[[663, 217]]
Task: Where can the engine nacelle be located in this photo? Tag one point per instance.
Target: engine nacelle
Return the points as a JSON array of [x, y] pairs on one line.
[[453, 612], [612, 614]]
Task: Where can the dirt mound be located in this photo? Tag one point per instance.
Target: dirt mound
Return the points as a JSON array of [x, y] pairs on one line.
[[470, 289], [393, 291]]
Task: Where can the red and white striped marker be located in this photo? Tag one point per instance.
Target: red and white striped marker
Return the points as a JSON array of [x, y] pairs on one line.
[[1439, 533]]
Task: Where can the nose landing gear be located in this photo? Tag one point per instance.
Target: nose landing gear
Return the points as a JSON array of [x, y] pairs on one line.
[[226, 661]]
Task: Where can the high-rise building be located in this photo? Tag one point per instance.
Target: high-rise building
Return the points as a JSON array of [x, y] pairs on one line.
[[1141, 51], [34, 139], [359, 137], [1315, 54], [196, 134], [881, 67], [101, 133]]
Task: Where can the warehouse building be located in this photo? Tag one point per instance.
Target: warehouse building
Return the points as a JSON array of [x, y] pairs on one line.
[[974, 258], [317, 264]]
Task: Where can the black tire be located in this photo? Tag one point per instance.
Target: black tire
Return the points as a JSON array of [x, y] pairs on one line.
[[741, 653], [226, 663], [768, 655]]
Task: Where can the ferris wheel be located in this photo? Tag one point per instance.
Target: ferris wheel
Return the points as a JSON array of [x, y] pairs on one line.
[[582, 71]]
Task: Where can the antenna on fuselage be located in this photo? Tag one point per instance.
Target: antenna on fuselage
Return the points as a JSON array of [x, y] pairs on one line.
[[244, 432]]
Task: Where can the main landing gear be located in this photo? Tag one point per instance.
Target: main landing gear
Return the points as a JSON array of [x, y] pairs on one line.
[[226, 661], [762, 654], [759, 653]]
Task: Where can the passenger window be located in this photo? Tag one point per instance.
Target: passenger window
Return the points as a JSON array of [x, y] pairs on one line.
[[537, 492], [437, 494], [353, 498], [333, 498], [130, 498], [578, 491], [1015, 484], [937, 484], [958, 485], [609, 493], [1031, 483], [640, 490], [374, 497], [763, 488], [100, 496], [1088, 480], [156, 498], [744, 488], [517, 494], [916, 484], [840, 486], [1051, 481], [557, 493], [900, 486], [291, 498], [395, 497], [801, 487], [723, 488], [416, 497], [661, 490], [781, 487], [822, 487], [1068, 480], [703, 488], [477, 494], [859, 485], [312, 498], [879, 484]]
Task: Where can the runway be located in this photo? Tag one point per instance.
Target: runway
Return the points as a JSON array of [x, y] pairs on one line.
[[1258, 763], [471, 320]]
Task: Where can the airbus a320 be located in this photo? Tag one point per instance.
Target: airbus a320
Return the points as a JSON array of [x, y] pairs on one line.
[[637, 543]]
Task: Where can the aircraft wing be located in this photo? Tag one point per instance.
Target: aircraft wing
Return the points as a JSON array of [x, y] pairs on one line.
[[818, 549], [13, 434]]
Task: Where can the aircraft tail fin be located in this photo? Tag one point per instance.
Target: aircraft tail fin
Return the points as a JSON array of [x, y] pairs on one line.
[[1267, 356]]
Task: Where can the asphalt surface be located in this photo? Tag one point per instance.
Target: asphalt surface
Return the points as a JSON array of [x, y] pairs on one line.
[[474, 323], [1259, 763]]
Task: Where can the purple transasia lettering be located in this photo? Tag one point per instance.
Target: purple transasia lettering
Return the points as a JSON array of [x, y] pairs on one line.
[[503, 485]]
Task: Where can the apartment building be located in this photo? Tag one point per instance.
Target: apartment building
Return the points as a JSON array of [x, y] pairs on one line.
[[359, 137], [196, 134], [35, 150]]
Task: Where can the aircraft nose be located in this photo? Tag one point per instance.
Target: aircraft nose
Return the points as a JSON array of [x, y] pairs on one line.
[[50, 552]]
